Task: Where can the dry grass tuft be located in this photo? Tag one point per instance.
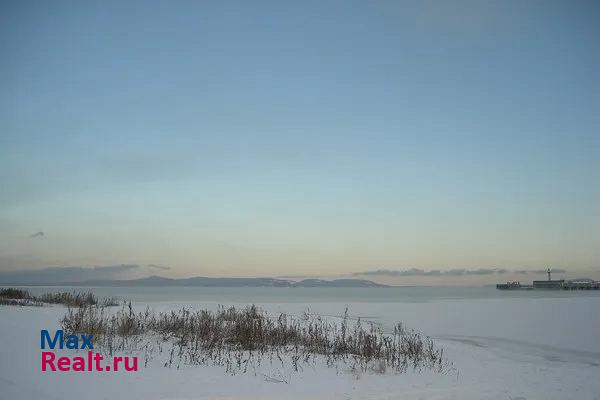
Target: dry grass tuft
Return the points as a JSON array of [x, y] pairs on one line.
[[13, 296], [239, 339]]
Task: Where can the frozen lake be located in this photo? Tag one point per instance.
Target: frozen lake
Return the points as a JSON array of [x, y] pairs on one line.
[[504, 345]]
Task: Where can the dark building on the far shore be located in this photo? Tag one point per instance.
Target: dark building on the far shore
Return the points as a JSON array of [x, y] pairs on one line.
[[550, 284]]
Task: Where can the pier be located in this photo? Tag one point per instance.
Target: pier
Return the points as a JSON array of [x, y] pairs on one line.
[[582, 284], [557, 284]]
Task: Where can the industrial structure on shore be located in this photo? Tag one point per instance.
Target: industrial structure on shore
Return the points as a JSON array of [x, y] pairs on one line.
[[557, 284]]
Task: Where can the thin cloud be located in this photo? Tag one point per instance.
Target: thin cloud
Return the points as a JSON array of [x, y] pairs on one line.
[[433, 272], [116, 268], [541, 271], [160, 267], [554, 271], [453, 272]]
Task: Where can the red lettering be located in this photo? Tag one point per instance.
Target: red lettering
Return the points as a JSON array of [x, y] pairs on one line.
[[89, 357], [98, 357], [51, 363], [134, 367], [116, 362], [78, 364], [48, 359], [64, 363]]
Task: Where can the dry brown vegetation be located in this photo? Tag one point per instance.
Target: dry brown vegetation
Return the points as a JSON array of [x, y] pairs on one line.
[[239, 339], [21, 297]]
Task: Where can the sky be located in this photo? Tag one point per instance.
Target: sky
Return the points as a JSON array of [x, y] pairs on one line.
[[317, 138]]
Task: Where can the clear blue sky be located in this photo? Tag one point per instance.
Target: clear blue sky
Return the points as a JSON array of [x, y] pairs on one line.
[[275, 137]]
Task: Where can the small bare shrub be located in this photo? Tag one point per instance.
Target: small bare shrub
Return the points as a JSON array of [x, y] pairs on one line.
[[75, 299], [12, 296], [13, 293]]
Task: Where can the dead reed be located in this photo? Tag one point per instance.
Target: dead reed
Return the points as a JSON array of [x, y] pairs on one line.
[[239, 339], [13, 296]]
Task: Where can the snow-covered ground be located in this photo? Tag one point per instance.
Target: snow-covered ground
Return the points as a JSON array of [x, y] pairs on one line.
[[513, 348]]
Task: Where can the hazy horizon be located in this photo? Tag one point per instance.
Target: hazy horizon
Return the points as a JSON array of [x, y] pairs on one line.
[[51, 276], [303, 139]]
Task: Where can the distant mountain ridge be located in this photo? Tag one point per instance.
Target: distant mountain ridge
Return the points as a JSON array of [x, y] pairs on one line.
[[116, 275], [201, 281]]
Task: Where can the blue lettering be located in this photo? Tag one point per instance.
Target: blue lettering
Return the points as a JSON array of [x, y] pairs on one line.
[[45, 338], [87, 342], [72, 341]]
